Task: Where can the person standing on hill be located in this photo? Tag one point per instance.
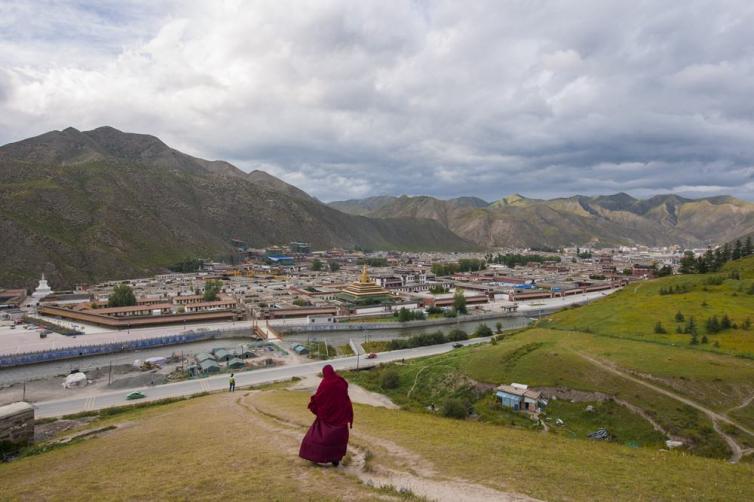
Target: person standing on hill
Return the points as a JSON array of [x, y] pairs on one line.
[[326, 440], [232, 383]]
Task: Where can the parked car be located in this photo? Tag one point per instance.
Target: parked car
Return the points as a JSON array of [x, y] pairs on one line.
[[457, 345], [372, 356], [135, 395]]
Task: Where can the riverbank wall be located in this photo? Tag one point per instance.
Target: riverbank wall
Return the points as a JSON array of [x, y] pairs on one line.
[[43, 356]]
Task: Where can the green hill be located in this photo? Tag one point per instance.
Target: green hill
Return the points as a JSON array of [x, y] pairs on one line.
[[635, 311], [642, 386]]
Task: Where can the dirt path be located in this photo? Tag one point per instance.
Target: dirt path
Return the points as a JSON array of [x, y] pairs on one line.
[[736, 451], [419, 480], [418, 374], [656, 426], [746, 402], [357, 393]]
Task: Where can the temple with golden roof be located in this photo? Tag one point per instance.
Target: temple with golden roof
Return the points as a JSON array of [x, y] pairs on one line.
[[364, 291]]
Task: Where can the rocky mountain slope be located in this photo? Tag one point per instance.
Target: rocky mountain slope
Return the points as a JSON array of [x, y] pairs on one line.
[[516, 221], [87, 206]]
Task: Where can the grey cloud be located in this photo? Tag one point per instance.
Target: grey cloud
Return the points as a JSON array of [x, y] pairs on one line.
[[352, 99]]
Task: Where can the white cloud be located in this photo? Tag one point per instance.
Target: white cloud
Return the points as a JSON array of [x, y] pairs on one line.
[[360, 98]]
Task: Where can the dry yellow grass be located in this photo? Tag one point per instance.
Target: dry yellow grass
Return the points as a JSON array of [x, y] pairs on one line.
[[243, 446], [536, 464], [207, 448]]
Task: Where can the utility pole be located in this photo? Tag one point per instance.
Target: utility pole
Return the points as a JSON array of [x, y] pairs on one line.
[[24, 395], [110, 373]]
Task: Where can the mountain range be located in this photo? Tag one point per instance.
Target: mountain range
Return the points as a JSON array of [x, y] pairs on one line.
[[104, 204], [619, 219], [86, 206]]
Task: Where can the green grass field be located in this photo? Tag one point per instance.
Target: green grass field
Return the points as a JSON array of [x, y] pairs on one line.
[[634, 311], [551, 358]]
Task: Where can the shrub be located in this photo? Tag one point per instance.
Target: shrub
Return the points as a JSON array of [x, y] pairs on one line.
[[454, 408], [483, 330], [390, 379], [456, 335], [659, 329], [498, 327]]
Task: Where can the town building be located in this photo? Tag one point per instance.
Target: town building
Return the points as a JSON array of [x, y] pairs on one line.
[[519, 397], [365, 292]]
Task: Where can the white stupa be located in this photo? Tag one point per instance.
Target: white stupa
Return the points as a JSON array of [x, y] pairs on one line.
[[43, 289]]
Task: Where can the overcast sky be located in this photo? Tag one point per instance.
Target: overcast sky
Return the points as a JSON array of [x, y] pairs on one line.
[[353, 98]]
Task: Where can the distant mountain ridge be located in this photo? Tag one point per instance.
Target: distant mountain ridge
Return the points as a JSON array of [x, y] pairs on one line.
[[104, 204], [607, 220]]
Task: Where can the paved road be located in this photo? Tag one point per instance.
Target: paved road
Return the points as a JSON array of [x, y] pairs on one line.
[[61, 407]]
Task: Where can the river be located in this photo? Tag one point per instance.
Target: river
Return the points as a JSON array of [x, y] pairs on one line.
[[43, 370]]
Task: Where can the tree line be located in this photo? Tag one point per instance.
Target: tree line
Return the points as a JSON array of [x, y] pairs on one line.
[[712, 261], [511, 260], [463, 265]]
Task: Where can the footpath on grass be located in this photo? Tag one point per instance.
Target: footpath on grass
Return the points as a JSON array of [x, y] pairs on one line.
[[737, 452]]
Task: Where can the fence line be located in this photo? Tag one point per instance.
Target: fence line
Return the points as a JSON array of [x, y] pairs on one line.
[[359, 326], [41, 356]]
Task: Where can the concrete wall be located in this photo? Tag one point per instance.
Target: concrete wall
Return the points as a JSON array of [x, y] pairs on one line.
[[17, 423]]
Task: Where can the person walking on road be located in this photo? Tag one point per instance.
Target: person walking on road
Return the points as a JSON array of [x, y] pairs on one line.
[[232, 383]]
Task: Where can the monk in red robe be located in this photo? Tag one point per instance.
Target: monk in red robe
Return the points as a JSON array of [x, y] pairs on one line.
[[327, 439]]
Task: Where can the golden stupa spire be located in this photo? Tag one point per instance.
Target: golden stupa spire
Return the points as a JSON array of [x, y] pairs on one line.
[[364, 278]]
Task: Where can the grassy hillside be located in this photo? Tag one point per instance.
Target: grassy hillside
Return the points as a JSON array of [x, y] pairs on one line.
[[643, 386], [86, 206], [545, 358], [635, 311], [244, 446]]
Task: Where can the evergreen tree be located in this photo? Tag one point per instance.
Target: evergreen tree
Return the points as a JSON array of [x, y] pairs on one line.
[[404, 315], [701, 265], [688, 263], [725, 323], [659, 328], [691, 326], [704, 339], [726, 252], [459, 302], [713, 325], [737, 250], [748, 249], [679, 317], [718, 260]]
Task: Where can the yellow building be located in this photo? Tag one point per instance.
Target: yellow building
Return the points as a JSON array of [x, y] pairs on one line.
[[365, 292]]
